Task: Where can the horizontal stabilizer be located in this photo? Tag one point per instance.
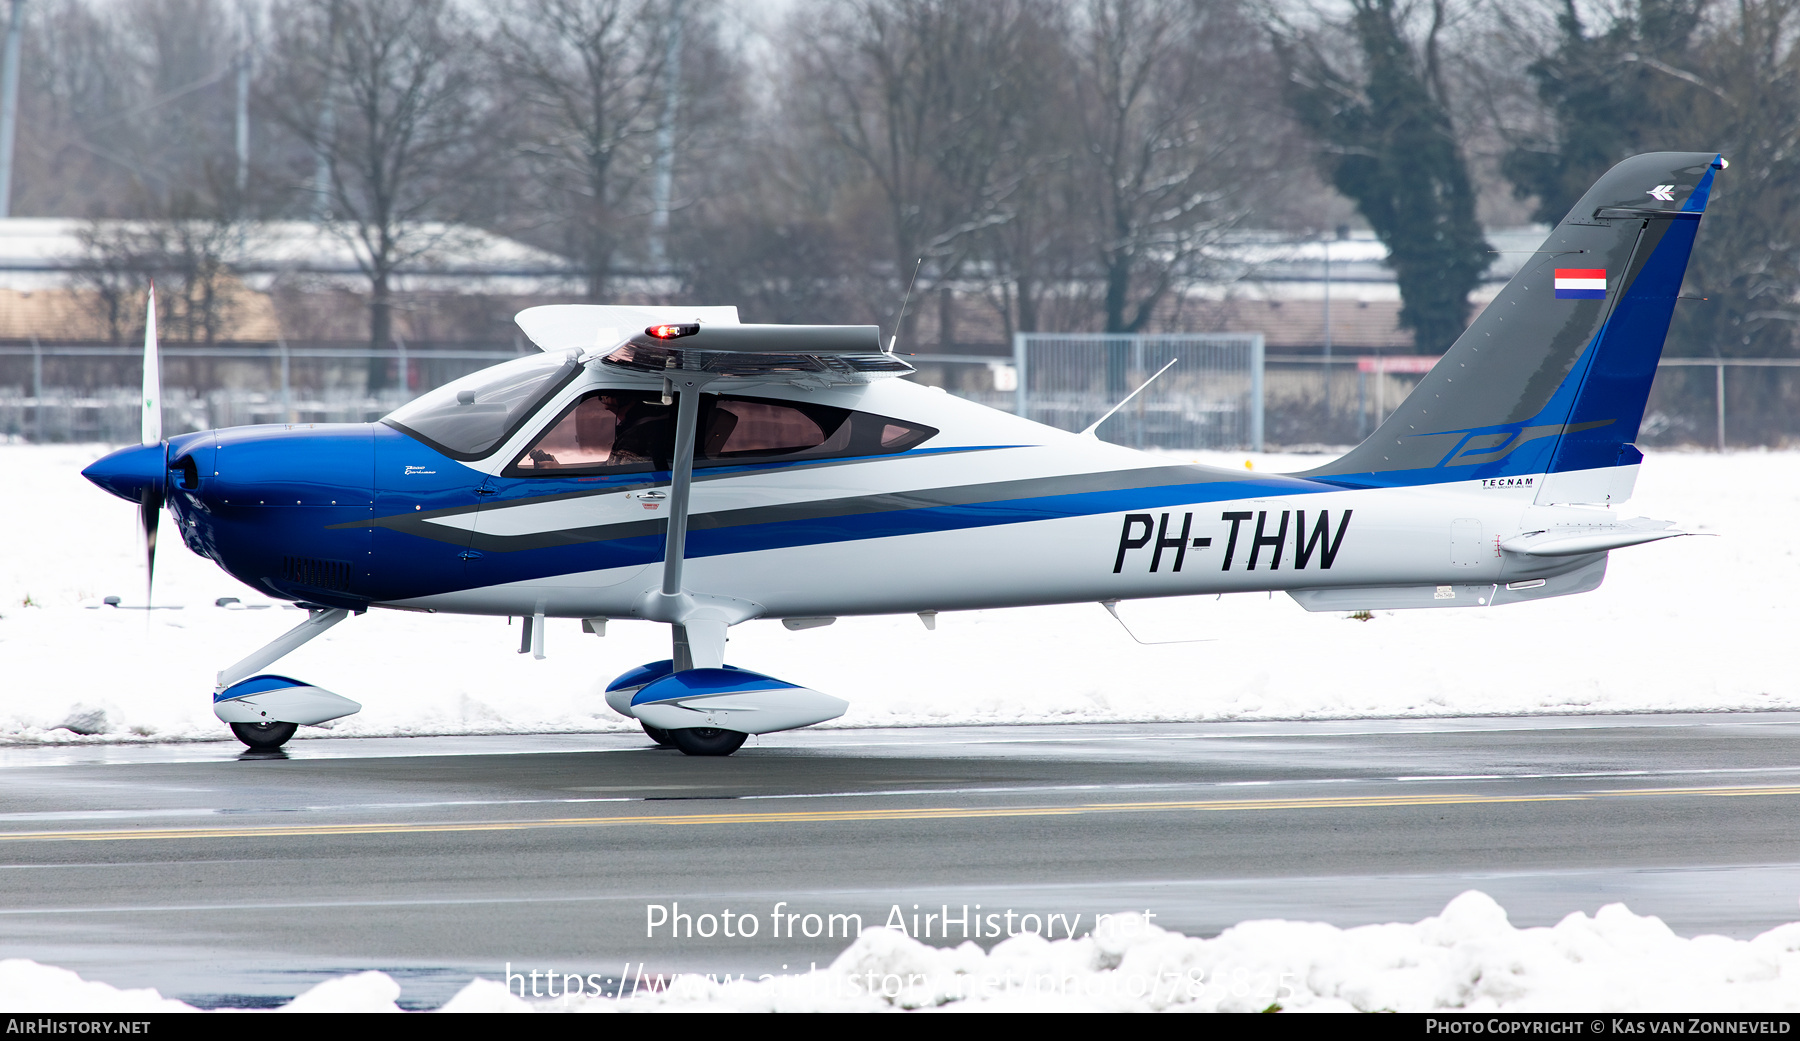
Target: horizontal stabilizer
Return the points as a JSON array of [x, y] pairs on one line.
[[1570, 542]]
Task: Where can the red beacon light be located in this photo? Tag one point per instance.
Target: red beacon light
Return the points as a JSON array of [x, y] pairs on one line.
[[671, 332]]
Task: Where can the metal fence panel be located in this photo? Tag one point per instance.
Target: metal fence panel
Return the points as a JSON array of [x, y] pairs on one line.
[[264, 387], [1212, 398]]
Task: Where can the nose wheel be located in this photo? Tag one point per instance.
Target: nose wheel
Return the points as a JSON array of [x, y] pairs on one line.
[[657, 734], [264, 737]]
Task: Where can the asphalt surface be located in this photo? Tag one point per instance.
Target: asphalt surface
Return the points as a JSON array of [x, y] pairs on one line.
[[224, 879]]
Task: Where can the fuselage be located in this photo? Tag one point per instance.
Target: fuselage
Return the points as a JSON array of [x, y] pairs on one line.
[[976, 509]]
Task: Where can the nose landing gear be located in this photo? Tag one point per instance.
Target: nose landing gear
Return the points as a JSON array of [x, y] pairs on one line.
[[264, 711]]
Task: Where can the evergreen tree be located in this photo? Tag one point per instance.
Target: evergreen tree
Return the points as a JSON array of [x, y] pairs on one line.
[[1611, 94], [1390, 146]]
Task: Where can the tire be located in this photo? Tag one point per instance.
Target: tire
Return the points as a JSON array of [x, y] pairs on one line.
[[707, 740], [657, 734], [264, 737]]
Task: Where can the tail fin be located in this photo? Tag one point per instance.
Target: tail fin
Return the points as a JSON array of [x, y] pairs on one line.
[[1552, 377]]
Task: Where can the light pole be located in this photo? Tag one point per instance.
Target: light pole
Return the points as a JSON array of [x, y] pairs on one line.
[[1328, 403], [9, 106]]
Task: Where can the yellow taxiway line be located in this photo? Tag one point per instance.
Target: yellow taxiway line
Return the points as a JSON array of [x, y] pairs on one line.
[[920, 813]]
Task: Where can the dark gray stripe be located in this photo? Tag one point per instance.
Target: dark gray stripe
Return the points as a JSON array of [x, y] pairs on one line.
[[849, 506]]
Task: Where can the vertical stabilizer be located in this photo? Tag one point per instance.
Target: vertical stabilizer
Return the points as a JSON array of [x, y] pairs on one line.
[[1552, 377]]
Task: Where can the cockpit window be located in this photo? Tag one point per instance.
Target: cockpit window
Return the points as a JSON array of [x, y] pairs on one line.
[[616, 431], [467, 418]]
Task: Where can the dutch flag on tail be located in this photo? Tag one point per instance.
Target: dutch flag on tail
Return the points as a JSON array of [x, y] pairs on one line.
[[1581, 283]]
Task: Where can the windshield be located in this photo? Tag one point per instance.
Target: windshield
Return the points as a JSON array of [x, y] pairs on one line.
[[467, 418]]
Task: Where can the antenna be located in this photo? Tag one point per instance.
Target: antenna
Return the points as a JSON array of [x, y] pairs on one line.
[[901, 317], [1089, 432]]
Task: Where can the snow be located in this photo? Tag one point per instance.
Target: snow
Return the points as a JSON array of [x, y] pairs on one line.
[[486, 996], [1468, 959], [1678, 626], [363, 992], [26, 986]]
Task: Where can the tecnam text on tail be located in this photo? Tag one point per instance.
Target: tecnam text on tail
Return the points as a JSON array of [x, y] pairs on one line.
[[669, 464]]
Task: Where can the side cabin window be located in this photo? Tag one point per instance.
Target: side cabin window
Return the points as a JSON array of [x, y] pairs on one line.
[[616, 431]]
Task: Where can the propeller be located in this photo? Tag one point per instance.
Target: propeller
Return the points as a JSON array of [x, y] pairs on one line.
[[140, 473], [150, 498]]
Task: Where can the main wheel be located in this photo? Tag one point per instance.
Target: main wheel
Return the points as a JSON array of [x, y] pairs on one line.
[[657, 734], [264, 736], [707, 740]]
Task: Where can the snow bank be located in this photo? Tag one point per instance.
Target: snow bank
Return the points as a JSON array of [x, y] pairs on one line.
[[363, 992], [1467, 959], [26, 986], [1678, 626]]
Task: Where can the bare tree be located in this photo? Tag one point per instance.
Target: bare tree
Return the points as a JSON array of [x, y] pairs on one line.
[[1747, 262], [411, 132], [928, 97], [187, 253], [1039, 251], [125, 107], [1166, 152], [591, 74]]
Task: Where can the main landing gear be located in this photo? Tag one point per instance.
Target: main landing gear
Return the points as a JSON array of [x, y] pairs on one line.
[[696, 740], [264, 737], [707, 740], [712, 711]]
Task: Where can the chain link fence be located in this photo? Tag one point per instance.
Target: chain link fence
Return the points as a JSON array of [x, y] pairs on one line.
[[1211, 395], [83, 394], [1222, 393], [1715, 403]]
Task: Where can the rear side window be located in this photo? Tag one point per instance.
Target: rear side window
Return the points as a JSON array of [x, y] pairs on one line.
[[629, 431], [465, 419], [608, 430], [737, 430]]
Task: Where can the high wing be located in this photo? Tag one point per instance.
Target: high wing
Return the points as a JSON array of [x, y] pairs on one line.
[[560, 327]]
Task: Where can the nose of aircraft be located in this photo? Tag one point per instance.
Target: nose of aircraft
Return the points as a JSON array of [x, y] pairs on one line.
[[128, 472]]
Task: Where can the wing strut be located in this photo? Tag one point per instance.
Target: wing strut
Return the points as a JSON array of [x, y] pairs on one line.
[[699, 356], [681, 484], [681, 481], [697, 620]]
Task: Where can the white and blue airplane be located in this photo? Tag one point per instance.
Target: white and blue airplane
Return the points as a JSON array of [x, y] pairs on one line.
[[669, 464]]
